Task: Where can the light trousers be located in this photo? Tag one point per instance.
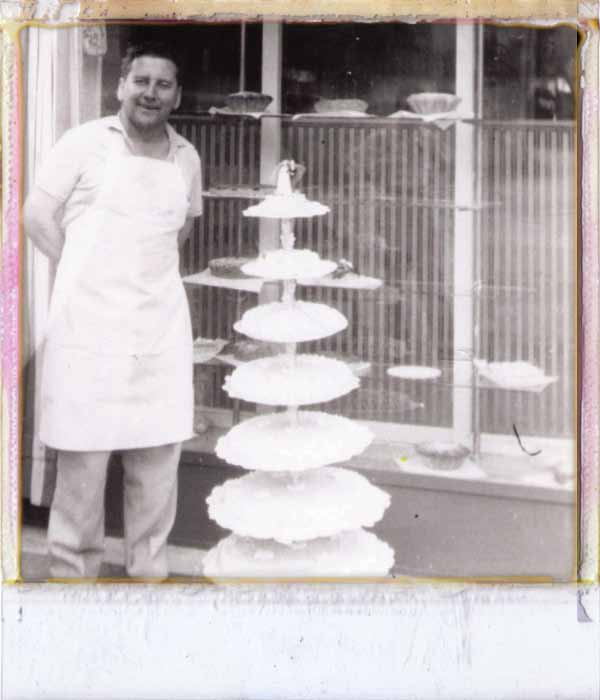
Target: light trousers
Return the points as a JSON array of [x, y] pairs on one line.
[[76, 527]]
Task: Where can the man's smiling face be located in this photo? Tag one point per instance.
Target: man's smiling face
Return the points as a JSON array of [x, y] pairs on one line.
[[149, 92]]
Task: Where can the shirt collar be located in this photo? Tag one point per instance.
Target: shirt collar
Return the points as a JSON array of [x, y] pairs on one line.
[[175, 139]]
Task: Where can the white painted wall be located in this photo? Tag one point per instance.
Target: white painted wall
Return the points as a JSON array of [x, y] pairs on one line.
[[302, 642]]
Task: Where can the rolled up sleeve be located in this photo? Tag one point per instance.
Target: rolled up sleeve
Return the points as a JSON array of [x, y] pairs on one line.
[[62, 167], [195, 195]]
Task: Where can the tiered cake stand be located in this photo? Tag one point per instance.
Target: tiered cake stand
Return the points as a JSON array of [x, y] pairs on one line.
[[294, 515]]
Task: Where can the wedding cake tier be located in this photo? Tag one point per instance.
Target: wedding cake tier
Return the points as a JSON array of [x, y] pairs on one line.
[[294, 516], [291, 380], [295, 322], [285, 442], [289, 265], [294, 507], [349, 554], [286, 206]]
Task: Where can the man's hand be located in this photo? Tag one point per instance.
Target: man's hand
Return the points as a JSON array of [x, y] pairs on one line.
[[185, 231], [40, 219]]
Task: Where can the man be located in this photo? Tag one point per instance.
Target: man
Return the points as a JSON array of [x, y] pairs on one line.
[[111, 203]]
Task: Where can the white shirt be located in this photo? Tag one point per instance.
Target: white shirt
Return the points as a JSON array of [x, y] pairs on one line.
[[73, 170]]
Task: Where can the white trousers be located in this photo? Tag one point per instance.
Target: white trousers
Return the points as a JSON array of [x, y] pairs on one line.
[[76, 527]]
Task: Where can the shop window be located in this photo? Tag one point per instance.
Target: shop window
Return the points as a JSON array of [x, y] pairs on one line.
[[390, 187]]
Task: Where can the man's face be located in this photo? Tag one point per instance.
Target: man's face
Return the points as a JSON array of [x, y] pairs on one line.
[[149, 92]]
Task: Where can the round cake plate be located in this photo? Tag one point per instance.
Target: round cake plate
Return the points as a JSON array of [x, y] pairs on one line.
[[294, 206], [273, 381], [414, 372], [277, 322], [355, 553], [533, 384], [273, 443], [256, 268], [292, 507]]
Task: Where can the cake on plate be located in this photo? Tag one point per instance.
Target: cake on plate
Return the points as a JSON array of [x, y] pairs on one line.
[[294, 507], [443, 455], [433, 102], [293, 205], [296, 322], [284, 442], [247, 350], [229, 268], [289, 264], [246, 101], [291, 380], [205, 349], [514, 375], [349, 554]]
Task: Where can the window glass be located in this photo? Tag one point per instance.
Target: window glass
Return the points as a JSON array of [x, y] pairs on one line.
[[529, 72], [379, 63]]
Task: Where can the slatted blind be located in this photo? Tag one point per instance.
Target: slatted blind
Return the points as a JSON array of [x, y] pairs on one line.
[[390, 190]]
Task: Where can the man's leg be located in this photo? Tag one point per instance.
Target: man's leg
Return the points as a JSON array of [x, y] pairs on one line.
[[150, 480], [76, 527]]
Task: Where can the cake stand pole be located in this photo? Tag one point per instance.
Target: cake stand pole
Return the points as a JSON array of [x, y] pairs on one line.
[[289, 291], [292, 414], [287, 234]]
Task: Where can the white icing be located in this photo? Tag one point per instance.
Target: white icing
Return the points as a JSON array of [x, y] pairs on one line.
[[286, 206], [295, 322], [289, 264], [350, 554], [291, 380], [303, 506], [277, 442]]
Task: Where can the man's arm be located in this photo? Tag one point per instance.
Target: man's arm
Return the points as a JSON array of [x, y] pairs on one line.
[[40, 219], [196, 203], [185, 231]]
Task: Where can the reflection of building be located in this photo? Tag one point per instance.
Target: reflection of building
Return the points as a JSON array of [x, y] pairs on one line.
[[405, 200], [380, 63], [520, 61]]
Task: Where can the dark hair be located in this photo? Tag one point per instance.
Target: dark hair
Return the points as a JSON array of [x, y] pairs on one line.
[[152, 48]]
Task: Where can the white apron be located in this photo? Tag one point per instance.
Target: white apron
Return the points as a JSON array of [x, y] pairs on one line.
[[118, 358]]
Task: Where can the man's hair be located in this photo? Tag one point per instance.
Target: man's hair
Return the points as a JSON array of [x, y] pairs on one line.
[[157, 49]]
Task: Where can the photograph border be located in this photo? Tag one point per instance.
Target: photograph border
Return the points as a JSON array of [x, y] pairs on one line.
[[343, 600]]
